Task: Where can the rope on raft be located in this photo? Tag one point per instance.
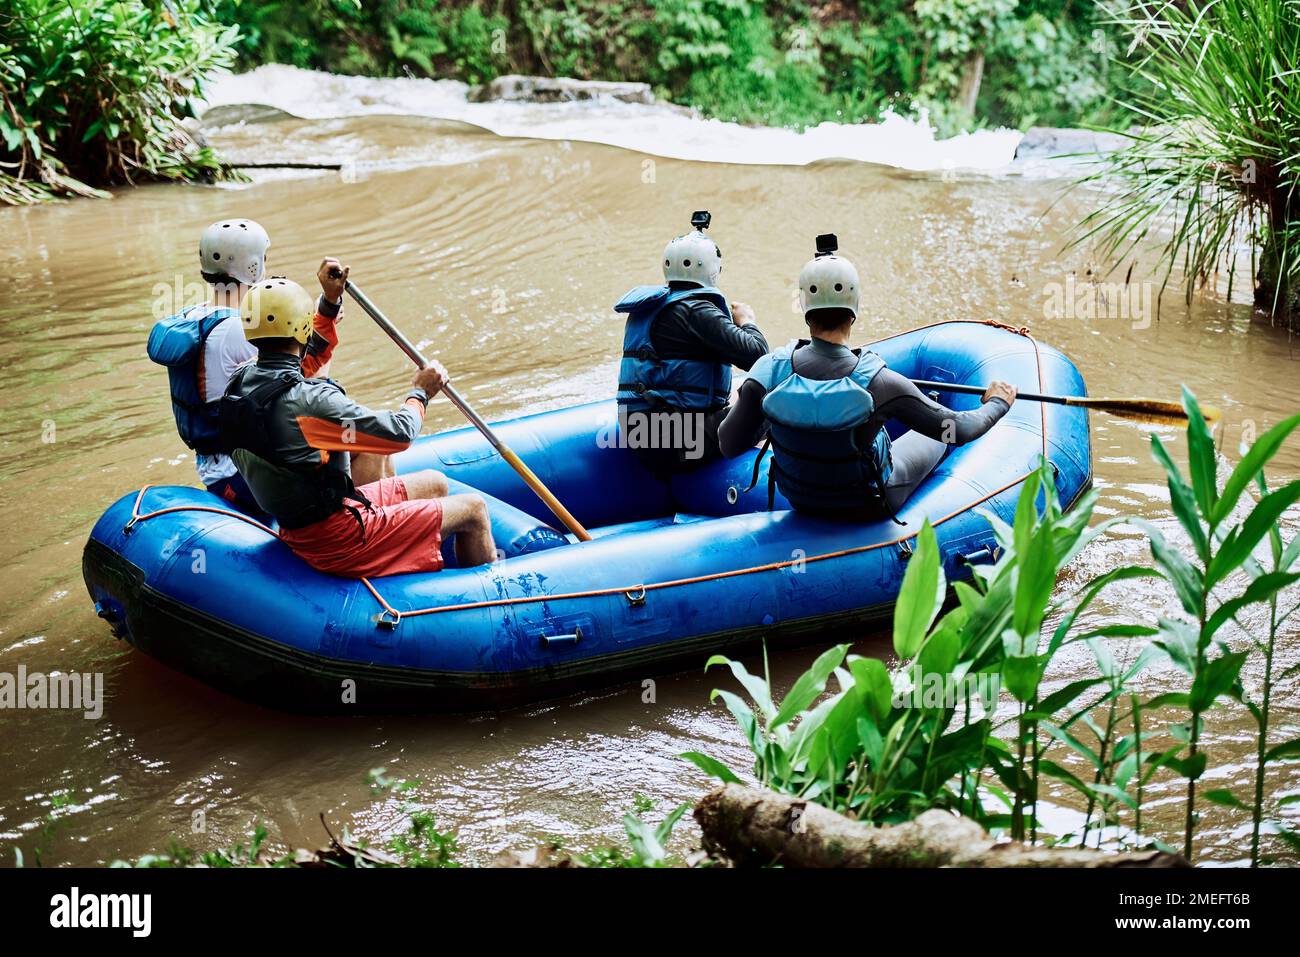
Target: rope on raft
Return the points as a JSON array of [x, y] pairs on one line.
[[391, 617]]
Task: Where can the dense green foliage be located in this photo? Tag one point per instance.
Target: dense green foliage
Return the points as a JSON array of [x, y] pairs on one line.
[[95, 92], [774, 62], [1217, 163], [882, 752]]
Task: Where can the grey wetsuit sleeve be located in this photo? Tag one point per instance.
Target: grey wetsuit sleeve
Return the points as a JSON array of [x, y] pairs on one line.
[[898, 399], [745, 422]]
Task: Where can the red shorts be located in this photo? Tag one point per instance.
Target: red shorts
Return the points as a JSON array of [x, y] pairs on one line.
[[400, 535]]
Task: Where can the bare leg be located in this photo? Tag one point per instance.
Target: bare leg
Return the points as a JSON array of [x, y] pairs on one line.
[[466, 516], [368, 467], [425, 483]]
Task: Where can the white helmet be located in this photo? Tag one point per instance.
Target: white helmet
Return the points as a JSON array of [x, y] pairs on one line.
[[828, 281], [694, 257], [235, 248]]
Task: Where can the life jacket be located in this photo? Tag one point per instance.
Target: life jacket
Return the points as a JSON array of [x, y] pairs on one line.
[[296, 495], [821, 457], [646, 379], [177, 342]]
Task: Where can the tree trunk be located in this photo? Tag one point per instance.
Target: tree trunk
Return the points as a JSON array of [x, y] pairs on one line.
[[1273, 293], [972, 76], [748, 826]]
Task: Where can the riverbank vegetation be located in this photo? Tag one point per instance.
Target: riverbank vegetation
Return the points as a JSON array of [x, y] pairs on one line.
[[884, 749], [1213, 171], [772, 62], [95, 94]]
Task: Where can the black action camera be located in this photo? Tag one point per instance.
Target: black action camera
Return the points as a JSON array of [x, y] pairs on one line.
[[700, 219], [827, 243]]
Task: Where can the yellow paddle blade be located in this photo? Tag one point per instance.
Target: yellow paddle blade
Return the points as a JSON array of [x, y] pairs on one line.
[[1156, 411]]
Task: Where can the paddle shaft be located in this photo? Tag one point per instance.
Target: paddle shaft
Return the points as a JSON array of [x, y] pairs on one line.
[[515, 462], [979, 390]]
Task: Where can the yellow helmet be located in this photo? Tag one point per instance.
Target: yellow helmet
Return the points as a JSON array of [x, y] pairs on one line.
[[277, 308]]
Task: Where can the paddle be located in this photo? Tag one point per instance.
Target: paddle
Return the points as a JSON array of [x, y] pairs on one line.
[[506, 452], [1143, 410]]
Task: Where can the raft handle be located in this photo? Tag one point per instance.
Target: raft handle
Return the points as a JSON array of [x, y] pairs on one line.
[[905, 549], [111, 612], [635, 596], [550, 641], [978, 557]]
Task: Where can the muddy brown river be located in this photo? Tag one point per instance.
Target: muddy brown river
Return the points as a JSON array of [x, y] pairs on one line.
[[502, 257]]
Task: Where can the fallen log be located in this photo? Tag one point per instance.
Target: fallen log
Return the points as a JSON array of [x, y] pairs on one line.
[[751, 826], [284, 165]]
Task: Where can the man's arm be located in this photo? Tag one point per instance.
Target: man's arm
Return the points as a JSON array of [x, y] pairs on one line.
[[745, 422], [897, 398], [324, 336], [737, 345], [232, 351], [333, 278], [332, 422]]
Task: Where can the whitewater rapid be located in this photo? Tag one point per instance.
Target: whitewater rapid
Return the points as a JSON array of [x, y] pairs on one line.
[[661, 130]]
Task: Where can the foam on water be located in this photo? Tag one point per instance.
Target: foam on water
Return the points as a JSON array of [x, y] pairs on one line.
[[659, 130]]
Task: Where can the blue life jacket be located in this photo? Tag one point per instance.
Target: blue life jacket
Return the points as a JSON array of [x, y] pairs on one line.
[[177, 342], [821, 459], [646, 379]]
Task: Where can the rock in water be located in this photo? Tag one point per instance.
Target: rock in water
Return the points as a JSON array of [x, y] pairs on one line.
[[231, 113], [1041, 142], [561, 89]]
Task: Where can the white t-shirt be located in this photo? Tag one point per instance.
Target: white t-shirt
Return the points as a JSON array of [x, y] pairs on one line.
[[225, 350]]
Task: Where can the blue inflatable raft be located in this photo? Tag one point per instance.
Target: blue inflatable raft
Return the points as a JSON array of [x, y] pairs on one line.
[[675, 571]]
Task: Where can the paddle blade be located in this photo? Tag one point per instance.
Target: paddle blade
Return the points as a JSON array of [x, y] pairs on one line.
[[1156, 411]]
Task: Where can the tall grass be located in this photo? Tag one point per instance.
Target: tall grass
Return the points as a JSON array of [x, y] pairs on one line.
[[1215, 163]]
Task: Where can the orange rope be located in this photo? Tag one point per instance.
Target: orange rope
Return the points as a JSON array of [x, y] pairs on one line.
[[136, 517], [641, 589]]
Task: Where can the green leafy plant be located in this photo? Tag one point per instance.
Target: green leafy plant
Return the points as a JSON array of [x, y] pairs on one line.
[[753, 61], [94, 94], [1220, 548], [647, 843], [881, 748], [875, 750], [421, 844], [1215, 161], [241, 855], [49, 825]]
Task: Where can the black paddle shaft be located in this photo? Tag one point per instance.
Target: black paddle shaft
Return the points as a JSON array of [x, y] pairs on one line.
[[979, 390]]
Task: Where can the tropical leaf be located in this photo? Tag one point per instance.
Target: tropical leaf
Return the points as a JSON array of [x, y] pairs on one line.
[[921, 595], [809, 685], [1259, 454], [711, 766], [754, 686]]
